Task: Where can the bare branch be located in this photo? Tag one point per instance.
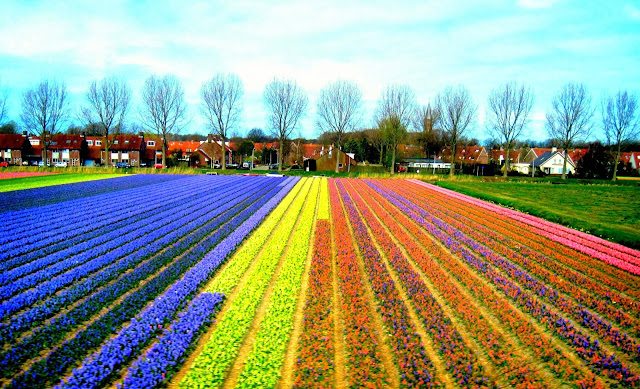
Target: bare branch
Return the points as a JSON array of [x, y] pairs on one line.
[[457, 113], [508, 114], [4, 96], [570, 117], [620, 122], [339, 109], [286, 102], [164, 110], [109, 102], [221, 105]]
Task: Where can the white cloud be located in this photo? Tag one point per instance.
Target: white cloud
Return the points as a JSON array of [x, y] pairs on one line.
[[632, 11], [536, 4]]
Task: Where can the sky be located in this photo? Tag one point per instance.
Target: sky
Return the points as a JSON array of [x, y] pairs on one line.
[[427, 45]]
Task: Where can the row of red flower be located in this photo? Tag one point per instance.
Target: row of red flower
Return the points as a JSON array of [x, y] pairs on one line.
[[610, 275], [583, 288], [415, 367], [315, 364], [461, 361], [506, 259], [591, 351], [500, 351]]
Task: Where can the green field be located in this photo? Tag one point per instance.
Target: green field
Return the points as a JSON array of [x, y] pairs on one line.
[[10, 184], [609, 211]]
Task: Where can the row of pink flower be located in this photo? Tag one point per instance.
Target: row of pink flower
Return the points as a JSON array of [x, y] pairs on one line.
[[579, 236], [610, 256], [7, 175]]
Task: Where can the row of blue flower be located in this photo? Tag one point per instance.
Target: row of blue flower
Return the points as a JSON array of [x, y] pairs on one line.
[[55, 331], [114, 245], [65, 225], [32, 262], [97, 369], [52, 367], [17, 200], [205, 221]]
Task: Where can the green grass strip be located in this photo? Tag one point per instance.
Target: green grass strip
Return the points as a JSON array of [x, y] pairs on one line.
[[208, 370], [230, 275], [323, 202], [262, 368], [20, 183]]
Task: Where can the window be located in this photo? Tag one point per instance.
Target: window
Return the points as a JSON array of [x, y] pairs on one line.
[[151, 143], [115, 142], [339, 166], [68, 141], [188, 150], [90, 142], [98, 143], [126, 141]]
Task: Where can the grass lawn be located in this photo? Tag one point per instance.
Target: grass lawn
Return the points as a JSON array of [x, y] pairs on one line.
[[10, 184], [609, 211]]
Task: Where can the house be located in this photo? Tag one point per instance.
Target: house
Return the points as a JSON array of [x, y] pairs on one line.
[[127, 148], [551, 162], [635, 161], [209, 152], [95, 154], [533, 154], [406, 151], [498, 156], [327, 161], [465, 155], [183, 148], [71, 149], [14, 148], [415, 164]]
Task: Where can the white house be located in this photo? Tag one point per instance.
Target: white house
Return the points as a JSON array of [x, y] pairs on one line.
[[551, 162]]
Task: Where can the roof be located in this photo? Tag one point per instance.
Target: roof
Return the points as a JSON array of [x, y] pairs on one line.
[[65, 141], [577, 154], [184, 146], [550, 154], [124, 142], [468, 154], [12, 141], [498, 155]]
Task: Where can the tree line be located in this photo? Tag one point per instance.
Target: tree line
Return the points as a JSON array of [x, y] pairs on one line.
[[445, 121]]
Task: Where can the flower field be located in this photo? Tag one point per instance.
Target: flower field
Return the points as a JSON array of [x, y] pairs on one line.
[[252, 282]]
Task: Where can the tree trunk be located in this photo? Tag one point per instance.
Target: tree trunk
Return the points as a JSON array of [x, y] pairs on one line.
[[506, 161], [452, 168], [615, 164], [393, 159], [44, 154], [106, 150], [338, 158], [164, 153], [223, 163], [564, 163], [381, 153], [280, 155]]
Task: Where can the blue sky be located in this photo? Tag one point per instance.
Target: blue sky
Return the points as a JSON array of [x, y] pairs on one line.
[[427, 45]]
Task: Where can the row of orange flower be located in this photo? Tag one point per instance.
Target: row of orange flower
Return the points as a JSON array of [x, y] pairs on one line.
[[590, 350], [500, 351], [513, 262], [316, 363]]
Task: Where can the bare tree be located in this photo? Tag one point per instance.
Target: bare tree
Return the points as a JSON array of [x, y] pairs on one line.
[[457, 113], [508, 114], [620, 122], [222, 106], [339, 110], [393, 115], [425, 120], [164, 111], [570, 118], [109, 102], [286, 103], [45, 108]]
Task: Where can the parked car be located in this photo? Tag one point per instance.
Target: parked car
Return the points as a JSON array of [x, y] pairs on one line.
[[217, 166], [41, 164], [157, 166], [245, 166], [232, 166], [60, 164], [4, 164], [273, 166], [122, 165]]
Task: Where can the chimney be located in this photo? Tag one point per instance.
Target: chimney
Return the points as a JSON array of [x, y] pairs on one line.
[[209, 138], [24, 134], [140, 135], [554, 149]]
